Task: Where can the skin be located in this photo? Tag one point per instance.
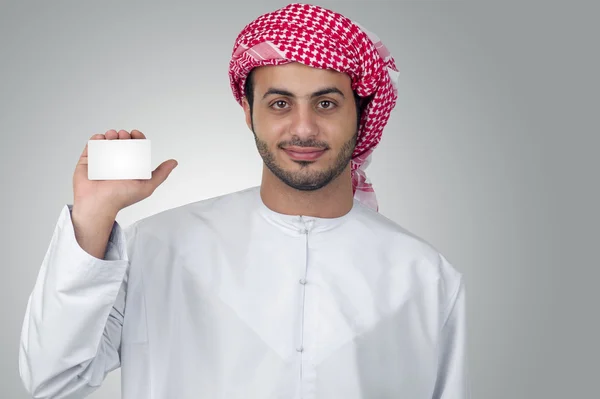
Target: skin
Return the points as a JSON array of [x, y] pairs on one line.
[[289, 113]]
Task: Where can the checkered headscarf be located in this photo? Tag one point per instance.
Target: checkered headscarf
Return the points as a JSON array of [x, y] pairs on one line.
[[321, 38]]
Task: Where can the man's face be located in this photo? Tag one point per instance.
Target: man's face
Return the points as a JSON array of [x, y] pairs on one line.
[[304, 122]]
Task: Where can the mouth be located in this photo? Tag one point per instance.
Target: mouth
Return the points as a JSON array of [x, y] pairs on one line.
[[304, 153]]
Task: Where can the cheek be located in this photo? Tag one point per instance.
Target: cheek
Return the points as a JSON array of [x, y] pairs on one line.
[[269, 129], [340, 130]]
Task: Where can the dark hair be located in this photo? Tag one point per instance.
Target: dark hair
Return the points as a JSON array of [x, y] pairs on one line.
[[249, 93]]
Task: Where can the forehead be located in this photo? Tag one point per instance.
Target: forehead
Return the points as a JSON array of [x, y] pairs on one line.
[[298, 77]]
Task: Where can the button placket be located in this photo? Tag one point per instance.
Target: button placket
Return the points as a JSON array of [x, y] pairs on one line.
[[306, 368], [304, 230]]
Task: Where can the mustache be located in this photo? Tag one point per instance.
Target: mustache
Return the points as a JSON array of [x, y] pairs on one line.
[[296, 142]]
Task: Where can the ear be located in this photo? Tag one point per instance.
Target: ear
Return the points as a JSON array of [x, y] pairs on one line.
[[247, 113]]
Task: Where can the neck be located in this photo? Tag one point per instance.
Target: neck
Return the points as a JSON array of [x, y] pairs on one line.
[[332, 201]]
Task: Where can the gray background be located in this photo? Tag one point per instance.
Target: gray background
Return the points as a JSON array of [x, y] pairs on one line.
[[490, 154]]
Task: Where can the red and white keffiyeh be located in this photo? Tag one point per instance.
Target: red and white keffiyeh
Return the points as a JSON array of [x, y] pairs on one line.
[[321, 38]]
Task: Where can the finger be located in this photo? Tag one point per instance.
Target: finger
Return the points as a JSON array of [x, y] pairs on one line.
[[84, 153], [136, 134], [111, 134], [124, 135], [160, 174]]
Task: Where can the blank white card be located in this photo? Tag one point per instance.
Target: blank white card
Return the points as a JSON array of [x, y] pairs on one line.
[[119, 159]]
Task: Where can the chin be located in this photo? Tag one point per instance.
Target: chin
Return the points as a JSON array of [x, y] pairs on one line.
[[305, 164]]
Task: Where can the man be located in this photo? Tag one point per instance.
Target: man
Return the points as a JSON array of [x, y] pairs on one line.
[[298, 288]]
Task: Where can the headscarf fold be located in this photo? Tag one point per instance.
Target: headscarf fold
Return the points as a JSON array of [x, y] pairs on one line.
[[321, 38]]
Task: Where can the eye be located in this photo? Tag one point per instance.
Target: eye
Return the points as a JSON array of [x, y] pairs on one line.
[[280, 104], [325, 104]]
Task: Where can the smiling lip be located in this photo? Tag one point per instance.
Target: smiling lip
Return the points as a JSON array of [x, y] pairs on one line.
[[304, 153]]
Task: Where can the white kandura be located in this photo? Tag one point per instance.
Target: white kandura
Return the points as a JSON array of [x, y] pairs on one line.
[[225, 298]]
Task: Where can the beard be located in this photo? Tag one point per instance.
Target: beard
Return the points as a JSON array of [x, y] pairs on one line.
[[306, 179]]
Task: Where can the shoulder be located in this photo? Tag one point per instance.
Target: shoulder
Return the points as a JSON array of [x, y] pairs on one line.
[[184, 217], [391, 242]]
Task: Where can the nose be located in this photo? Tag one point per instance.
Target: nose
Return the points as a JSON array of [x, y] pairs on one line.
[[304, 122]]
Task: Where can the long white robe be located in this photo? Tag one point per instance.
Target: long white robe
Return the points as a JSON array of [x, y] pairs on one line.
[[225, 298]]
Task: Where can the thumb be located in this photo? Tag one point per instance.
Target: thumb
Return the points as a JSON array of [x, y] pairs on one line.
[[160, 174]]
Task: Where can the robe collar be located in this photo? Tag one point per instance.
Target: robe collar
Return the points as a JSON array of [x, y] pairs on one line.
[[302, 224]]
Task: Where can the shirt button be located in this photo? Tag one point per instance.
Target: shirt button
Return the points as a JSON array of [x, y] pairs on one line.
[[302, 281], [300, 349]]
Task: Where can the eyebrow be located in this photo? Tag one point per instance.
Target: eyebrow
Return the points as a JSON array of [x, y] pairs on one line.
[[322, 92]]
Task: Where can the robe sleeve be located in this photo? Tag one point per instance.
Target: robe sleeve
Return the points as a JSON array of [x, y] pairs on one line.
[[71, 332], [453, 381]]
